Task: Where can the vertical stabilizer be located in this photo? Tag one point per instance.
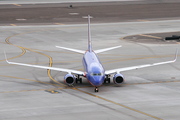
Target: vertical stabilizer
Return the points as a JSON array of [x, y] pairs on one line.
[[89, 35]]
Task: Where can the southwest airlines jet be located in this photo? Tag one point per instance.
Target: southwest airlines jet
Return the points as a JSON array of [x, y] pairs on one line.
[[93, 69]]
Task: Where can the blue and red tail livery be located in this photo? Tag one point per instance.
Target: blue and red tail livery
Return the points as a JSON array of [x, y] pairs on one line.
[[93, 69]]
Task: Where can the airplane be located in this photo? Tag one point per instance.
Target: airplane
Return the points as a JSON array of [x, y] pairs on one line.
[[93, 68]]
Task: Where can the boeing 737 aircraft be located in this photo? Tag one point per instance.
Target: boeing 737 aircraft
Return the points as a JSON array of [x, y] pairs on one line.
[[93, 69]]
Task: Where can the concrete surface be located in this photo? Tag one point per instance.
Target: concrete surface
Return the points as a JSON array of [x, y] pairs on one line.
[[149, 93], [36, 94]]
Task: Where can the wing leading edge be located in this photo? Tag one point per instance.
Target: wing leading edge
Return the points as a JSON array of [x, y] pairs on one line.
[[140, 66]]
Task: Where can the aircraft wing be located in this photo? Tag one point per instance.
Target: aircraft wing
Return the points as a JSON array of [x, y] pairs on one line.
[[139, 66], [51, 68]]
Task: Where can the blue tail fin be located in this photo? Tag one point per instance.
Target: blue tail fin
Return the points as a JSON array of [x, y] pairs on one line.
[[89, 35]]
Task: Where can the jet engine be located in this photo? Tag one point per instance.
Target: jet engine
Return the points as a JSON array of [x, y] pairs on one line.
[[118, 79], [69, 79]]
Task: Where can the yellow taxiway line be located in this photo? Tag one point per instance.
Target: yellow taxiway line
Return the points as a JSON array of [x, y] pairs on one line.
[[118, 104], [13, 25], [59, 24], [23, 49], [150, 36], [65, 87], [17, 5], [50, 65]]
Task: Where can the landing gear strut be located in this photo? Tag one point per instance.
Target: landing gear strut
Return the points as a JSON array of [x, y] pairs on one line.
[[78, 79], [107, 79], [96, 89]]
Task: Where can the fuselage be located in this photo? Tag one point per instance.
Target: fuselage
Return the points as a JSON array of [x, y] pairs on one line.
[[93, 69]]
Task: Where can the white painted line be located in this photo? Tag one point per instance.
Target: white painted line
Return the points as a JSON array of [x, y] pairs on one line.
[[20, 19], [87, 16], [74, 13], [55, 1]]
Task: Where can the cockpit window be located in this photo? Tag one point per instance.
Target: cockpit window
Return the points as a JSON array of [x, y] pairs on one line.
[[96, 74]]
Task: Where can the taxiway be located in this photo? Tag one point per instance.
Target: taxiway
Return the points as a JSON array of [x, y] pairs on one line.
[[36, 94]]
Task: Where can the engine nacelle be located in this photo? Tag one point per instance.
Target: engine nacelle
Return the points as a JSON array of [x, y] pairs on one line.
[[118, 78], [69, 79]]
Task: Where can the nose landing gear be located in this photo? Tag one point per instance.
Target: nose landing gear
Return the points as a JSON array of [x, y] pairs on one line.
[[96, 89]]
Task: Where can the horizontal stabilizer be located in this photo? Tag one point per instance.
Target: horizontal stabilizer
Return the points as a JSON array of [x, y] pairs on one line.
[[70, 49], [106, 49]]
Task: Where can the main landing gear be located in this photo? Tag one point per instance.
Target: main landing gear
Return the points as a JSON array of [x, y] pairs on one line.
[[107, 79], [96, 89], [78, 79]]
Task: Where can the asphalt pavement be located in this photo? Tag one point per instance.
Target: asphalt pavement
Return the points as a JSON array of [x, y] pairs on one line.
[[108, 12]]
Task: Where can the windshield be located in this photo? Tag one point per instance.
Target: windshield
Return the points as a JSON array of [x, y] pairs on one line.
[[96, 74]]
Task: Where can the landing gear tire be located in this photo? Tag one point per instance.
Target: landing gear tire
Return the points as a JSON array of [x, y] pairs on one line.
[[96, 89], [78, 79], [107, 79]]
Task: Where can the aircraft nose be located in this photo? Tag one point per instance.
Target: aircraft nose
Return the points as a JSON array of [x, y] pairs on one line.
[[97, 81]]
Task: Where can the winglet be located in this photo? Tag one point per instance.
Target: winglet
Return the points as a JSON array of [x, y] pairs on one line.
[[176, 55], [5, 57]]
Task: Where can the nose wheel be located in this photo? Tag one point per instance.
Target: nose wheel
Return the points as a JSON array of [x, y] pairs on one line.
[[96, 89]]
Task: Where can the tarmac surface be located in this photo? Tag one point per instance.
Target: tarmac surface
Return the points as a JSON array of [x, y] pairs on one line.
[[102, 12], [58, 1], [37, 94]]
